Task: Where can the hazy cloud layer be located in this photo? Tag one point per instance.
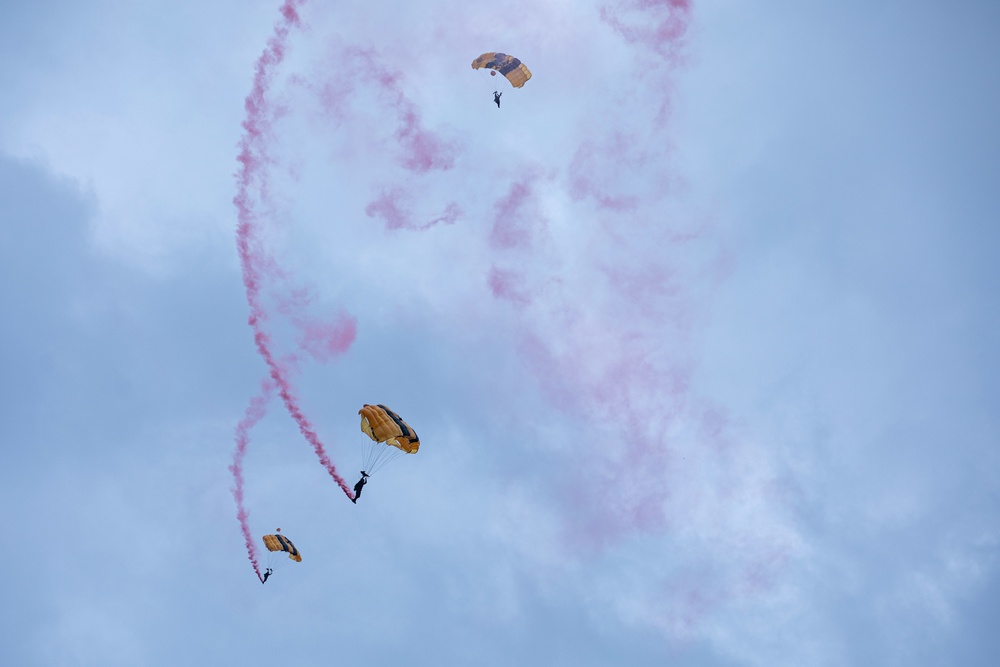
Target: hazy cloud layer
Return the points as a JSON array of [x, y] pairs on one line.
[[697, 330]]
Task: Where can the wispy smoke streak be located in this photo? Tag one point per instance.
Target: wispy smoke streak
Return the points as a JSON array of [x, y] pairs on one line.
[[422, 149], [415, 149], [509, 285], [518, 219], [394, 206], [657, 25], [253, 190], [254, 413]]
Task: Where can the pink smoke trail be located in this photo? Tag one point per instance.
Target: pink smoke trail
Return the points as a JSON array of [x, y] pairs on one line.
[[256, 264], [254, 413]]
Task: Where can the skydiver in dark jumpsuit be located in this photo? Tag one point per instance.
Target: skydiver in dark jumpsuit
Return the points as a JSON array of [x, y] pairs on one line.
[[360, 485], [267, 573], [496, 98]]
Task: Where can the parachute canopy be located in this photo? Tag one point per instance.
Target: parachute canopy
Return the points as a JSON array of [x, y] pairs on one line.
[[512, 68], [383, 425], [282, 543]]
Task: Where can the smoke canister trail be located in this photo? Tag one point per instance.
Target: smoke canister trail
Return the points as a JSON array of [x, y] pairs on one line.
[[253, 188], [254, 413]]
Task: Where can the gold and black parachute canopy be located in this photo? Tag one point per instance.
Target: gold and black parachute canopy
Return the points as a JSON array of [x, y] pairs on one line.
[[512, 68], [383, 425], [282, 543]]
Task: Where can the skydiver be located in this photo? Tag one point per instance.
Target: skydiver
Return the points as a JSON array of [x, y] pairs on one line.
[[267, 573], [360, 485], [496, 98]]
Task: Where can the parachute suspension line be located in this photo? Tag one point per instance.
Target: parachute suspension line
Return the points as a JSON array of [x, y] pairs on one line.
[[377, 455], [370, 457], [390, 454]]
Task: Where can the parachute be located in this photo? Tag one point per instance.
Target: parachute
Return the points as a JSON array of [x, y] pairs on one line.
[[390, 435], [512, 68], [282, 543], [383, 425]]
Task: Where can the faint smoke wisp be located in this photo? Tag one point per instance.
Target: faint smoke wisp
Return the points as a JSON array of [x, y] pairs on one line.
[[254, 413]]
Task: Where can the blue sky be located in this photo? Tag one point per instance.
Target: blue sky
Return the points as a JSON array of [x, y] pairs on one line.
[[699, 332]]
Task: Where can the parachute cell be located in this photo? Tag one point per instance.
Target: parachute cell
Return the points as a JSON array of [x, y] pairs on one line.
[[512, 68], [282, 543]]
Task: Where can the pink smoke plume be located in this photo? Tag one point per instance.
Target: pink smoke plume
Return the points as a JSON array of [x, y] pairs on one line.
[[415, 149], [518, 220], [323, 339], [611, 367], [658, 25], [254, 413], [605, 313], [607, 324], [253, 190], [421, 149], [509, 285]]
